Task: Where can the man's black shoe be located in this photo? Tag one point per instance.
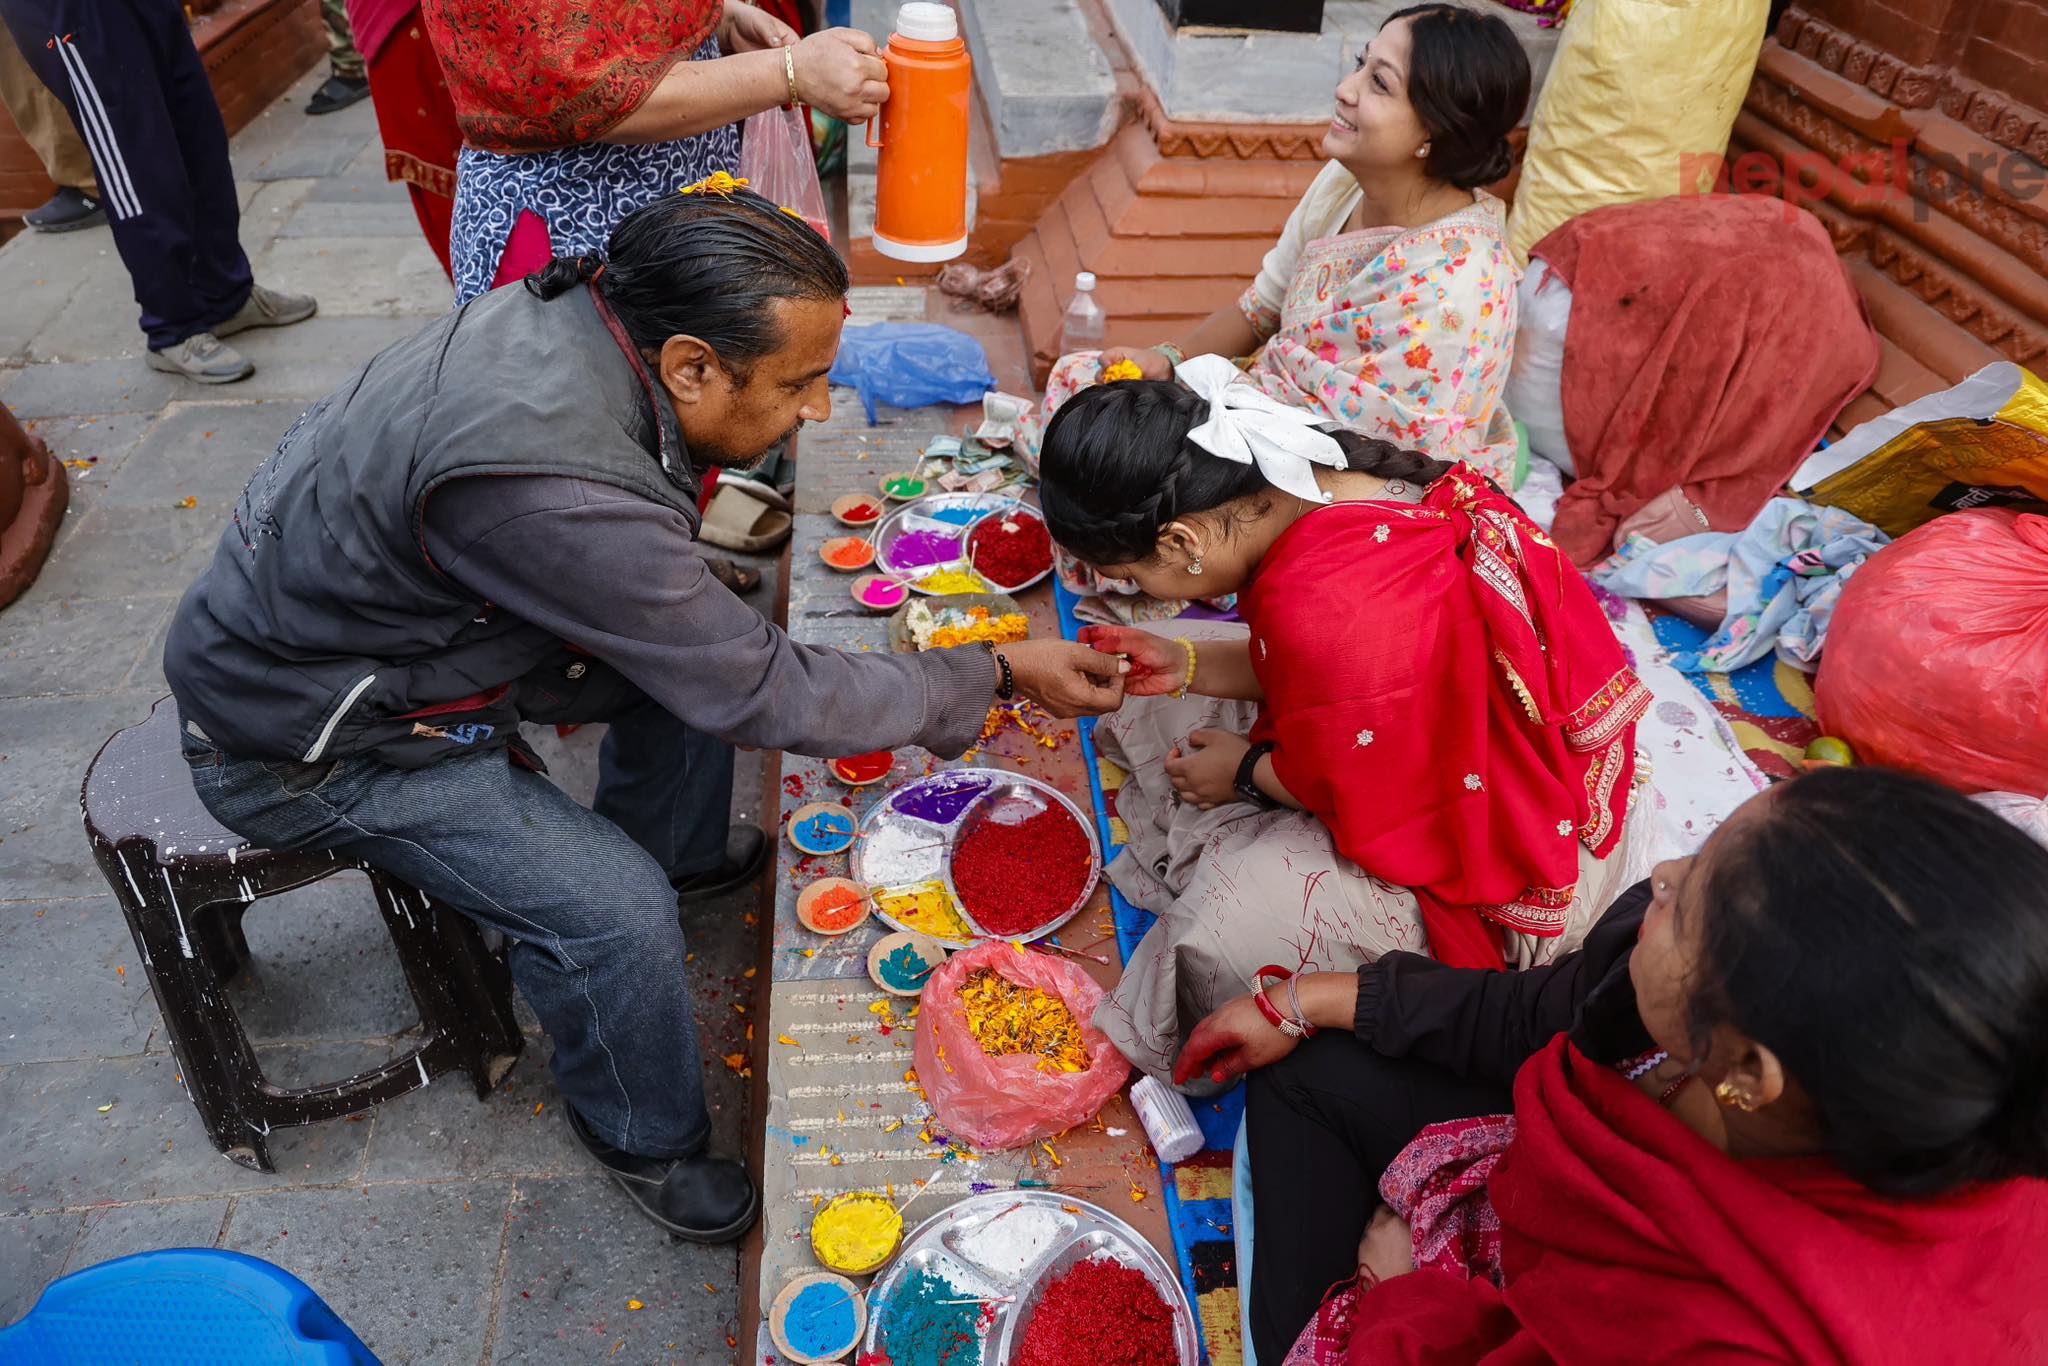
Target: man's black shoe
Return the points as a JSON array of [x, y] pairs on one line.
[[700, 1199], [68, 210], [746, 853], [337, 92]]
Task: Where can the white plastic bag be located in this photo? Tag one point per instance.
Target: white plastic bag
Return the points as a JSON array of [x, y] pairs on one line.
[[2028, 813], [1535, 392], [777, 164]]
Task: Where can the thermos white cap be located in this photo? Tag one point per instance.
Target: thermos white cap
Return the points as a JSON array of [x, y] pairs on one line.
[[1085, 280], [927, 22]]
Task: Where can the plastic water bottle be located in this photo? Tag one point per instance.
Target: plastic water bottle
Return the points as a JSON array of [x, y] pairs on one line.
[[1085, 325]]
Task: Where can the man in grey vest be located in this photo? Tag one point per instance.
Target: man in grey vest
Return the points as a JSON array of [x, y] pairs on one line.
[[494, 522]]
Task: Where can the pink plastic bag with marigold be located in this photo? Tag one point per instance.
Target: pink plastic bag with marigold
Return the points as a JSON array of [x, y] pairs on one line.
[[1008, 1101]]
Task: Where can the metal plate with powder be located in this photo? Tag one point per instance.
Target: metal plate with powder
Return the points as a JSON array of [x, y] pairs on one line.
[[907, 841], [933, 1262]]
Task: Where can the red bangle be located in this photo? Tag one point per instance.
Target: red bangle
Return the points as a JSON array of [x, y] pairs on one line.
[[1266, 1006]]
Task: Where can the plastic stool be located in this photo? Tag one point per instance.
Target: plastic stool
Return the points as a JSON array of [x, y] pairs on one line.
[[181, 1307], [184, 883]]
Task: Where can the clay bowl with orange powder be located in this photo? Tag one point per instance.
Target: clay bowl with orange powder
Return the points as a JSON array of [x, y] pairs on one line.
[[832, 905], [847, 553]]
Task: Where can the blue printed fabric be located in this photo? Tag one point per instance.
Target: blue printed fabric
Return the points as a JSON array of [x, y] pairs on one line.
[[1783, 574], [580, 192]]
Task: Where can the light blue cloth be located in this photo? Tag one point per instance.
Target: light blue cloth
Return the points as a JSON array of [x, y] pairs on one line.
[[1241, 1231], [1783, 574]]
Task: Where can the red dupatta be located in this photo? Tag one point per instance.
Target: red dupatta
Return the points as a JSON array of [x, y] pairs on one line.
[[1627, 1238], [531, 75], [1446, 695]]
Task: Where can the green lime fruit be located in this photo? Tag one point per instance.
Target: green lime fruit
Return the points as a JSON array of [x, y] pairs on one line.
[[1831, 750]]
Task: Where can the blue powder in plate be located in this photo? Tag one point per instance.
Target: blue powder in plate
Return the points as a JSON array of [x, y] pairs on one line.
[[958, 516], [905, 969], [827, 831], [820, 1322], [917, 1330]]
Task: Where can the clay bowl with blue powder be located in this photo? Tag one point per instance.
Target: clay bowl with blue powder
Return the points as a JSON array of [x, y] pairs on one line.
[[902, 962], [817, 1319]]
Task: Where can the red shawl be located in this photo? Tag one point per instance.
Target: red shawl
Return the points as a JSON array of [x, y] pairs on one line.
[[531, 75], [1627, 1238], [1449, 699], [1713, 339]]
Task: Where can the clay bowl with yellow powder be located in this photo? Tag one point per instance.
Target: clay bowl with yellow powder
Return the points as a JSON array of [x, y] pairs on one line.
[[856, 1232]]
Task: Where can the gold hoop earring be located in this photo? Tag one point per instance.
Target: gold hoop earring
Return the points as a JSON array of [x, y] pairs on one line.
[[1732, 1096], [1195, 566]]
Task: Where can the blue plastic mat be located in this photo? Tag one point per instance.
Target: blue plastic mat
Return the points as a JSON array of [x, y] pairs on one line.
[[1202, 1238]]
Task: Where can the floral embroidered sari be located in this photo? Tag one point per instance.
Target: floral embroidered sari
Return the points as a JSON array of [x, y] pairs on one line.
[[1399, 333]]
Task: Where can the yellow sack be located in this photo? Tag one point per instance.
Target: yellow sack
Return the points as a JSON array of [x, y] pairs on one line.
[[1638, 105], [1983, 443]]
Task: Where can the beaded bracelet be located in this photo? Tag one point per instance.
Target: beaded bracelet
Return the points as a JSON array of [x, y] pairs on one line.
[[1173, 353], [1188, 680]]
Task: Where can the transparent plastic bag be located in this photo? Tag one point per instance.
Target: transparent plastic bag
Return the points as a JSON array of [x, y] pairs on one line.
[[1005, 1102], [777, 164]]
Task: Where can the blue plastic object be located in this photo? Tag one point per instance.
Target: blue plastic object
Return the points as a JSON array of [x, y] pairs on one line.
[[182, 1307], [909, 365]]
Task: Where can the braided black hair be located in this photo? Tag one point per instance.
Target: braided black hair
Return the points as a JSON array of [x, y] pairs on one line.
[[1117, 467], [709, 265]]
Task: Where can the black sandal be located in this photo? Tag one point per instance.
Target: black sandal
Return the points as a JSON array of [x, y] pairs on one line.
[[734, 577]]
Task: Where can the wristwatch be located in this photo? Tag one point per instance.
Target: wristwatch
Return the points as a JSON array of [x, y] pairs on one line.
[[1247, 785]]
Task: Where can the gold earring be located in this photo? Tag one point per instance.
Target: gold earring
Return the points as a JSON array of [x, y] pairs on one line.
[[1195, 565], [1729, 1094]]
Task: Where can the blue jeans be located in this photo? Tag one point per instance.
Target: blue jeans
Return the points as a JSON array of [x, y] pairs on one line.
[[584, 896]]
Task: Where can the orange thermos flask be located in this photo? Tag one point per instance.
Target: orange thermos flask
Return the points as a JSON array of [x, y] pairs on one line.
[[921, 187]]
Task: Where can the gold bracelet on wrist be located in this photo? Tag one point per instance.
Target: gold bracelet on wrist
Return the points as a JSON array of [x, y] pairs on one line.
[[789, 73]]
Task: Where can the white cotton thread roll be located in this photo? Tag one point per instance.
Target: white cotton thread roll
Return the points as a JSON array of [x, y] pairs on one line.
[[1169, 1121]]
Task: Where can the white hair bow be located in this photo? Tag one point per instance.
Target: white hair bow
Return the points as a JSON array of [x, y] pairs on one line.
[[1249, 427]]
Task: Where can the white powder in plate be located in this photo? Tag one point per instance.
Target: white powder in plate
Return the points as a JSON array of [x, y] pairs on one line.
[[895, 855], [1013, 1242]]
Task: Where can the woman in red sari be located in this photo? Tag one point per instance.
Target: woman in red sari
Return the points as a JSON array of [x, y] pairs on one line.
[[1789, 1104], [575, 114], [415, 116], [1441, 723]]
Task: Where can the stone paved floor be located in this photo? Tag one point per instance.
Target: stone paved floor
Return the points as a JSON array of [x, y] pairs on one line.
[[442, 1229]]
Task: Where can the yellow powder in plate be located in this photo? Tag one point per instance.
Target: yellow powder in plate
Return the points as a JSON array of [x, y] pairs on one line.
[[927, 908], [856, 1232], [953, 581]]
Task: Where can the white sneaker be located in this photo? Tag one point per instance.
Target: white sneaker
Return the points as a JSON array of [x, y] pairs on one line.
[[268, 308], [202, 357]]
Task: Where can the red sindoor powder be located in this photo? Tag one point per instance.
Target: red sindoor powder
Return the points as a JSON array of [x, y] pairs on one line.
[[1014, 878], [1100, 1313], [1006, 557]]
